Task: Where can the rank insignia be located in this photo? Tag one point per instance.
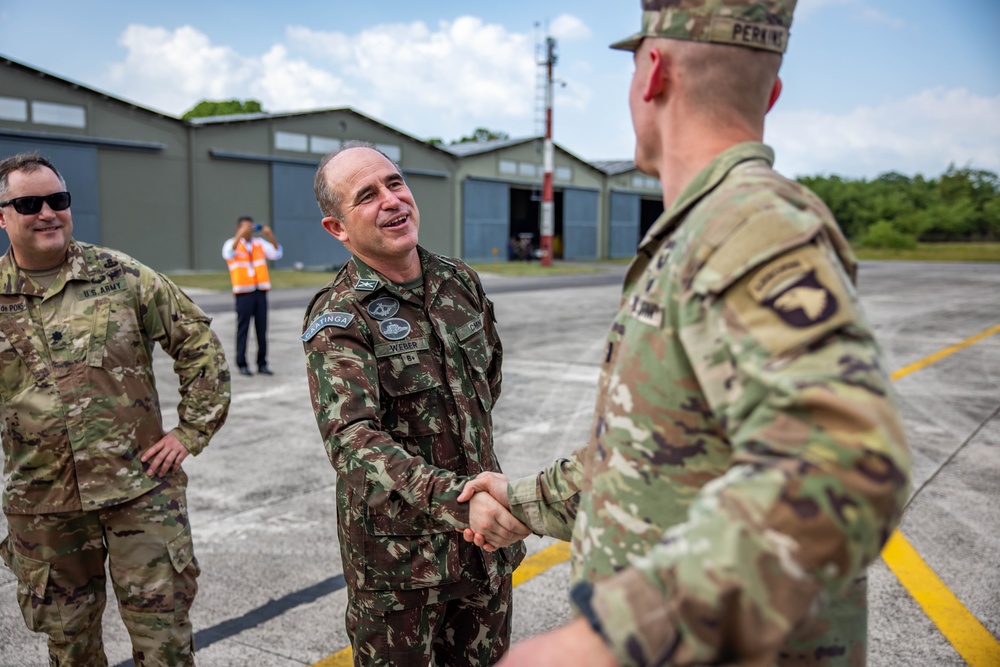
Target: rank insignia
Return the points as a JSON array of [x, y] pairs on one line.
[[366, 285]]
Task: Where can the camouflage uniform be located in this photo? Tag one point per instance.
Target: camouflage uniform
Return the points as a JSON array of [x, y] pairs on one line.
[[746, 460], [79, 407], [403, 383]]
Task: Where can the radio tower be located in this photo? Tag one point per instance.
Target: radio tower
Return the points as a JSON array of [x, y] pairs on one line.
[[547, 223]]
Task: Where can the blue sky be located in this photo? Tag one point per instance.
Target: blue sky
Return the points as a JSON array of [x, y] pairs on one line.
[[870, 85]]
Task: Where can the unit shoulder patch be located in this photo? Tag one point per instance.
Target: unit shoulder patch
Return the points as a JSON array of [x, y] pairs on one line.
[[341, 320], [792, 300]]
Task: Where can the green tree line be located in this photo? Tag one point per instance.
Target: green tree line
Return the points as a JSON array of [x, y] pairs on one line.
[[897, 211]]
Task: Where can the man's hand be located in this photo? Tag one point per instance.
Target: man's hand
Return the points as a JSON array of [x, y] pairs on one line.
[[575, 644], [167, 454], [492, 483], [494, 523], [491, 524]]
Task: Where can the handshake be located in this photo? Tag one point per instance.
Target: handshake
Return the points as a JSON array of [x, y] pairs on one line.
[[491, 524]]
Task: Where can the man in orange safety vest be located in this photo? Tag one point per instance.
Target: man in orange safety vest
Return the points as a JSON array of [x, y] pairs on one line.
[[247, 257]]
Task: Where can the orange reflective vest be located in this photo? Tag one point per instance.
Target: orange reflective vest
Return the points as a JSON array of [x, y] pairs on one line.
[[248, 267]]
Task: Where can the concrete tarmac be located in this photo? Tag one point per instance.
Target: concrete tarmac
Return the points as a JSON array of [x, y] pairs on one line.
[[262, 495]]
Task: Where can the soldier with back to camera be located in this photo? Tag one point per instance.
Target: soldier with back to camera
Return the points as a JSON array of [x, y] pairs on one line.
[[747, 459]]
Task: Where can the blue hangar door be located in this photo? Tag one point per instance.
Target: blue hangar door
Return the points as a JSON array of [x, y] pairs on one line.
[[624, 225], [296, 221], [78, 167], [579, 224], [485, 220]]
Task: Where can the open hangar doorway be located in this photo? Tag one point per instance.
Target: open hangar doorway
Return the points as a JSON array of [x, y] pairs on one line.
[[649, 211], [526, 223]]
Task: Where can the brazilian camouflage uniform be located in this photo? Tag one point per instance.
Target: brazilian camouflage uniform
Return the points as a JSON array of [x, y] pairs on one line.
[[79, 406], [403, 385], [746, 460]]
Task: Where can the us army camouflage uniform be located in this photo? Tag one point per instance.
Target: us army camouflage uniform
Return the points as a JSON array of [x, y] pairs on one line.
[[403, 383], [79, 406], [746, 461]]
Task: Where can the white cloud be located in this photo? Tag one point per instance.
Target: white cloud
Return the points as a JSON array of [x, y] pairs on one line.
[[463, 68], [568, 27], [443, 80], [173, 70], [922, 133]]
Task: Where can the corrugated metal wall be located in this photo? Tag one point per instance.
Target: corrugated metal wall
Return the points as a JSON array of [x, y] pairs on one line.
[[624, 225], [485, 219]]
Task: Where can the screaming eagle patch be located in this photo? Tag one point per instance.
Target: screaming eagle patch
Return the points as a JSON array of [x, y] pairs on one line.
[[793, 300], [804, 303]]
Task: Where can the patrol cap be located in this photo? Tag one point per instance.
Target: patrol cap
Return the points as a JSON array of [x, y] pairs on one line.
[[756, 24]]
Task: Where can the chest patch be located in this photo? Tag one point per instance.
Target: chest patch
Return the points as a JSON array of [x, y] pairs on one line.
[[405, 348], [394, 328], [341, 320], [384, 308], [100, 290], [646, 312], [16, 307], [470, 328]]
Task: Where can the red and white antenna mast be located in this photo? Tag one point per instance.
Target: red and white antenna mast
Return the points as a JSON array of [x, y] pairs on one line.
[[547, 223]]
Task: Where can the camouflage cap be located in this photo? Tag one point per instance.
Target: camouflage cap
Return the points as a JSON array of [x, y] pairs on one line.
[[757, 24]]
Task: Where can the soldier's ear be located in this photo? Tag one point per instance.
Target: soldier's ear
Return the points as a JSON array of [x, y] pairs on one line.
[[335, 228], [656, 75], [775, 93]]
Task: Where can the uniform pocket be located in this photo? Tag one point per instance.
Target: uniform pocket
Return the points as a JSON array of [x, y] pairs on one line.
[[40, 613], [115, 341], [478, 353], [410, 562], [411, 403], [21, 366], [181, 550]]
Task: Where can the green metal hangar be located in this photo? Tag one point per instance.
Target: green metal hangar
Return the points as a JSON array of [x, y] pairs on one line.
[[263, 165], [635, 201], [498, 192], [126, 166], [169, 192]]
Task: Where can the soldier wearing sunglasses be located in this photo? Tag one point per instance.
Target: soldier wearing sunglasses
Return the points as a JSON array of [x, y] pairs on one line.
[[90, 473]]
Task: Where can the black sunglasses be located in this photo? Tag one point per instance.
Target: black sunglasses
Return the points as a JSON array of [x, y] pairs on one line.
[[57, 201]]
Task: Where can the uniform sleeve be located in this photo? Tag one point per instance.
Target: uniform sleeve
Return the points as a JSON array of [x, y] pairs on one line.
[[547, 503], [184, 332], [343, 383], [819, 476]]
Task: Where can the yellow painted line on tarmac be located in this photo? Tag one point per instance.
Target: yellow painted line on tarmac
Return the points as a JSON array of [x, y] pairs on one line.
[[966, 634], [530, 567], [970, 639], [948, 351], [536, 564]]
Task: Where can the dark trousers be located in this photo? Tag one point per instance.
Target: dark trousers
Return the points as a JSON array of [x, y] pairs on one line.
[[252, 305]]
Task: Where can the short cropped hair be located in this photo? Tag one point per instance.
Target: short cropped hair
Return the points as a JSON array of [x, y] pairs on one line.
[[26, 162], [330, 201]]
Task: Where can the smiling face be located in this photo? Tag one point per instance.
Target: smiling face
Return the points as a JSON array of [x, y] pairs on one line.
[[39, 240], [378, 220]]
